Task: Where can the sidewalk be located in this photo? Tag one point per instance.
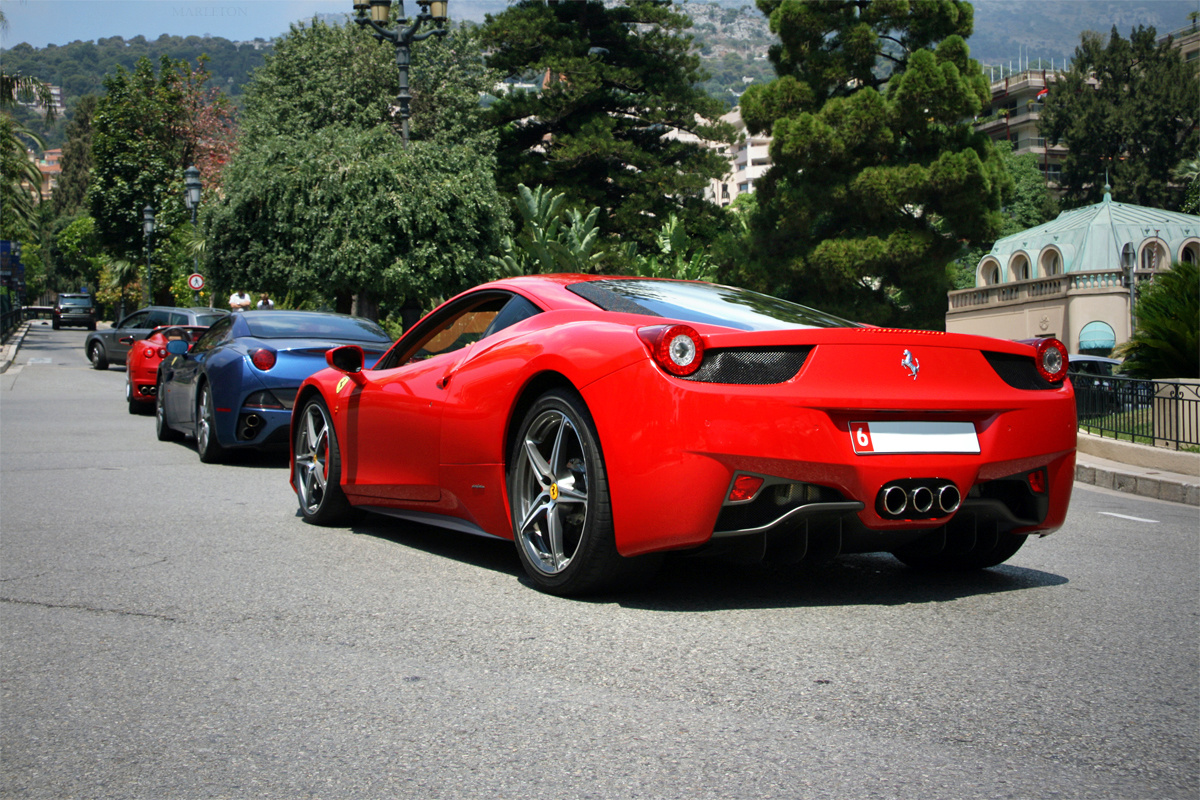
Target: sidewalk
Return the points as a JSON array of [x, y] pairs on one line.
[[1133, 468]]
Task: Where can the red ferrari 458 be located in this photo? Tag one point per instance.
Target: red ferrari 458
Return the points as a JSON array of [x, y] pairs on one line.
[[601, 421], [141, 365]]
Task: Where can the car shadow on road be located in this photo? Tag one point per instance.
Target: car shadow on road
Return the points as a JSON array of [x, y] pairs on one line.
[[702, 584], [716, 584]]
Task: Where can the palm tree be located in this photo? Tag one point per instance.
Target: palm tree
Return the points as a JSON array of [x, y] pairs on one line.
[[1167, 338]]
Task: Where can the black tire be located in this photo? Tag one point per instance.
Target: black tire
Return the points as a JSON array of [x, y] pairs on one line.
[[91, 326], [207, 446], [134, 406], [558, 495], [164, 431], [990, 552], [55, 324], [97, 356], [317, 467]]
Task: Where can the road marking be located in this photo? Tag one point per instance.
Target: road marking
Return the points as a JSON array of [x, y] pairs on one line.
[[41, 361], [1126, 516]]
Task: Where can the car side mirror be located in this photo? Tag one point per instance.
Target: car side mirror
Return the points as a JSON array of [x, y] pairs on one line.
[[347, 358], [126, 340], [178, 347]]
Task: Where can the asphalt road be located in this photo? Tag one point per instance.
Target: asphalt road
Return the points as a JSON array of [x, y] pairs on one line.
[[174, 630]]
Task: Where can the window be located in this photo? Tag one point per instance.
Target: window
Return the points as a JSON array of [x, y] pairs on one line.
[[218, 333], [1019, 268], [474, 318], [1051, 263], [136, 320]]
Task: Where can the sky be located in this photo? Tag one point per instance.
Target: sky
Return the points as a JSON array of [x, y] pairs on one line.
[[42, 22]]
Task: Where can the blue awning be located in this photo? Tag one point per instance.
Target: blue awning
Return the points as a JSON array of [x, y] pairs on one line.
[[1097, 336]]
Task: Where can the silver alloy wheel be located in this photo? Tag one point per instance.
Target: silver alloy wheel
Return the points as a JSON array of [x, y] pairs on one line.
[[551, 492], [312, 458], [203, 421]]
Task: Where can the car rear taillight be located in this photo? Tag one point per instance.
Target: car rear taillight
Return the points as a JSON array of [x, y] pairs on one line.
[[263, 358], [1051, 360], [1037, 481], [677, 348]]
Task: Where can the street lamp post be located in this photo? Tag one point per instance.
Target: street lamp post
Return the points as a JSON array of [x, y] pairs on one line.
[[402, 37], [191, 198], [148, 230]]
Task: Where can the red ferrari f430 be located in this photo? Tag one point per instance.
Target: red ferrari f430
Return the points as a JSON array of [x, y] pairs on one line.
[[601, 421]]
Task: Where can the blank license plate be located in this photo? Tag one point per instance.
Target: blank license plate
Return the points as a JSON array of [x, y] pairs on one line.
[[872, 438]]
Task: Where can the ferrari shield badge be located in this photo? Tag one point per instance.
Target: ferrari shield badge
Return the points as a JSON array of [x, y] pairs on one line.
[[346, 378]]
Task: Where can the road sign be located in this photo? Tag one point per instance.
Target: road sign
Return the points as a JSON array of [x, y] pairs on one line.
[[195, 281]]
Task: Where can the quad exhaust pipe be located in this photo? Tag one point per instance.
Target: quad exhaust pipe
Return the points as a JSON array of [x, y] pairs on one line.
[[918, 498]]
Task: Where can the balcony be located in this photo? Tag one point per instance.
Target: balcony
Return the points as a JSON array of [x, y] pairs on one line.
[[1054, 287]]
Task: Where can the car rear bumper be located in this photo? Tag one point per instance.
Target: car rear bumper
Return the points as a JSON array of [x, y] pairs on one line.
[[671, 474]]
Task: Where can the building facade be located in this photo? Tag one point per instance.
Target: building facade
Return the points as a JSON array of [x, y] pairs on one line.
[[1071, 278]]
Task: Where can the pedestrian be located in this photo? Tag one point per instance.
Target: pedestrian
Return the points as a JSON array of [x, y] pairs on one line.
[[265, 303], [239, 301]]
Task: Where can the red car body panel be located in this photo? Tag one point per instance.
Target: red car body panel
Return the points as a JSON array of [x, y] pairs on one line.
[[145, 356], [432, 437]]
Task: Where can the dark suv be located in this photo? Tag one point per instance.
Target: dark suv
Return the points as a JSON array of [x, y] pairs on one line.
[[74, 309]]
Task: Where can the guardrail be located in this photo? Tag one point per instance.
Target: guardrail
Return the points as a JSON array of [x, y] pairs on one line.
[[1159, 413]]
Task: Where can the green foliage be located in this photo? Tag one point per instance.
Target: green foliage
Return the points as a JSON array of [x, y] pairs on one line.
[[145, 131], [318, 76], [678, 256], [545, 244], [1027, 205], [1167, 339], [79, 261], [321, 202], [877, 176], [70, 195], [1127, 107], [339, 212], [621, 81], [79, 68]]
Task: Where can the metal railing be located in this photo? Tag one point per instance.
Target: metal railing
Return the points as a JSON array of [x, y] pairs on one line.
[[1159, 413]]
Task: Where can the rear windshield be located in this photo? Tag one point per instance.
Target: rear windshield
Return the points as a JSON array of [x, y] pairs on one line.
[[310, 325], [74, 301], [705, 303]]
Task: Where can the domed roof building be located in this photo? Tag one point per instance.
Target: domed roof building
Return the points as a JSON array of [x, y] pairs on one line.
[[1070, 278]]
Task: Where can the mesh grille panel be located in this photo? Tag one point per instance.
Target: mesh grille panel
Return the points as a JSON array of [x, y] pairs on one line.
[[1018, 372], [753, 366]]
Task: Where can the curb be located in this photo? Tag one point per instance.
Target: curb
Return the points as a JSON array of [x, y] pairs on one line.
[[1158, 487], [8, 353]]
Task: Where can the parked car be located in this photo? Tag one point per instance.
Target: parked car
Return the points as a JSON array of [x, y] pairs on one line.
[[112, 346], [74, 309], [598, 421], [141, 365], [234, 387], [1100, 389]]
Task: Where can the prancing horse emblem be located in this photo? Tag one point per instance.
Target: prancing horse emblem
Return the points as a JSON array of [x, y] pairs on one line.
[[914, 366]]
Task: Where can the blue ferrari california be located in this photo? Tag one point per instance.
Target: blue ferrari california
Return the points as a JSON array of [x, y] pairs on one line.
[[235, 386]]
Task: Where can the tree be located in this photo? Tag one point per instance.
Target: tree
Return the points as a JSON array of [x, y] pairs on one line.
[[1127, 109], [1167, 337], [322, 201], [545, 244], [878, 177], [145, 131], [620, 122], [71, 194], [1028, 205]]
